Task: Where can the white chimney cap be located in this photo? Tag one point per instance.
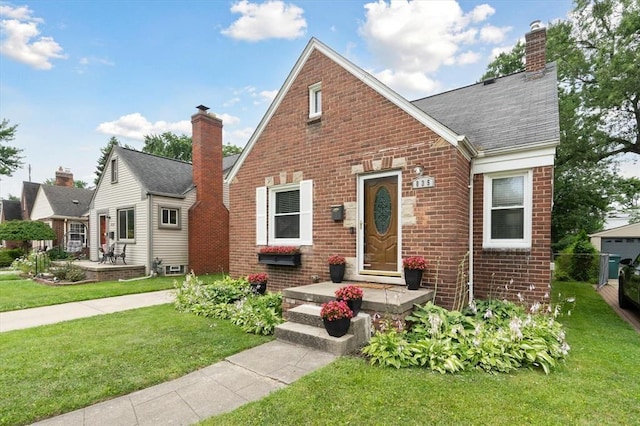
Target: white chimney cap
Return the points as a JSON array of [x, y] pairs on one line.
[[535, 25]]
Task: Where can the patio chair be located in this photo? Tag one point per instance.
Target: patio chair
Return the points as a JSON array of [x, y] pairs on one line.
[[122, 255], [106, 254]]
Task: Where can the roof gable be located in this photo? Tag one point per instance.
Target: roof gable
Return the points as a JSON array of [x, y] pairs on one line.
[[368, 79], [67, 201], [11, 210]]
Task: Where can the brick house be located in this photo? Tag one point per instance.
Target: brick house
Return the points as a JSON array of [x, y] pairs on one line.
[[341, 164], [165, 208]]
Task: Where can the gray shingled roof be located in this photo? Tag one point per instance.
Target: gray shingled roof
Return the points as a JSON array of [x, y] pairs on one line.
[[11, 209], [61, 199], [161, 175], [512, 111], [29, 192]]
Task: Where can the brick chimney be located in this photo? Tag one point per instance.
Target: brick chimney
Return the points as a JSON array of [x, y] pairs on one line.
[[64, 177], [208, 217], [536, 48]]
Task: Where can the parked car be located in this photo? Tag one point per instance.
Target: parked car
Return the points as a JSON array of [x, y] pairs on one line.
[[629, 283]]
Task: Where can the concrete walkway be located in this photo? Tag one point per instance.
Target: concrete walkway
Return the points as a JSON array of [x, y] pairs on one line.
[[216, 389]]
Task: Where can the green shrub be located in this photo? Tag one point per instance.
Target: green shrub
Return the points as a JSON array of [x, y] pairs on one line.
[[492, 336], [57, 253], [68, 272], [35, 263], [7, 256], [230, 299], [584, 260]]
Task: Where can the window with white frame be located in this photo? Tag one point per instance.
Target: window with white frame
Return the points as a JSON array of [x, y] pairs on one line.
[[169, 217], [284, 214], [114, 170], [507, 210], [126, 224], [77, 232], [315, 100]]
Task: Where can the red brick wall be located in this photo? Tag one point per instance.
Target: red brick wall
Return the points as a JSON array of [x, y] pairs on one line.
[[208, 217], [357, 127], [505, 273]]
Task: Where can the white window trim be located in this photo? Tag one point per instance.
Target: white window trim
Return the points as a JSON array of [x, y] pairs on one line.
[[314, 89], [83, 234], [135, 216], [265, 235], [114, 170], [162, 225], [523, 243]]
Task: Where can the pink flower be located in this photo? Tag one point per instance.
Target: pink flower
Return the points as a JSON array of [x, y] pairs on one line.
[[335, 310], [350, 292], [415, 262], [279, 250], [258, 278], [337, 260]]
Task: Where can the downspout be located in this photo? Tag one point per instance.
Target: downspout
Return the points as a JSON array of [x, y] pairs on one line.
[[149, 232], [471, 231]]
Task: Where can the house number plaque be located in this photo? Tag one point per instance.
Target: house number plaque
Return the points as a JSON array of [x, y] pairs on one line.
[[423, 182]]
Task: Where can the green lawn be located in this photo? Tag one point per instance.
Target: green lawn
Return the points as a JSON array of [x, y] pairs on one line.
[[55, 369], [600, 384], [22, 294]]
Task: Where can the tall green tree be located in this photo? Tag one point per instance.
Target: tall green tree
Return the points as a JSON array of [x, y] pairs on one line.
[[26, 231], [104, 154], [10, 158], [168, 145]]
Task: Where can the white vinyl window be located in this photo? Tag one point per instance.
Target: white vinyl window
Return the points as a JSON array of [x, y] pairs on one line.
[[169, 217], [284, 214], [114, 170], [77, 232], [315, 100], [126, 224], [507, 210]]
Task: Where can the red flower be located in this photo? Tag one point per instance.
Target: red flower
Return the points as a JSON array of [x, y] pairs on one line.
[[258, 278], [279, 250], [350, 292], [335, 310], [337, 260], [415, 262]]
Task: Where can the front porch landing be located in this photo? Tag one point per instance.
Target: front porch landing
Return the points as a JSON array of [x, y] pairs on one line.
[[378, 298], [109, 272]]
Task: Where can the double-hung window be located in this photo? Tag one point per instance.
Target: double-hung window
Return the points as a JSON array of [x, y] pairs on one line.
[[126, 224], [507, 210], [315, 100], [77, 232], [284, 214]]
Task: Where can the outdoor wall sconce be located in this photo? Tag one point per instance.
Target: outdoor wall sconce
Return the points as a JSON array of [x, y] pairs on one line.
[[337, 213]]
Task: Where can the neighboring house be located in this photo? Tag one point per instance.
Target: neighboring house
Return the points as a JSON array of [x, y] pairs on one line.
[[28, 197], [65, 209], [341, 164], [165, 208], [10, 210], [623, 241]]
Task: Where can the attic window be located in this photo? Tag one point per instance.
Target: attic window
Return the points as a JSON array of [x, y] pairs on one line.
[[315, 100], [114, 170]]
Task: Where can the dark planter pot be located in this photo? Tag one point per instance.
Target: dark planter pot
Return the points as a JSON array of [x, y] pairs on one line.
[[279, 259], [355, 305], [337, 328], [413, 278], [337, 272], [258, 288]]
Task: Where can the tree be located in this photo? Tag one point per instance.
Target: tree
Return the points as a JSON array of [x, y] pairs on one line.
[[228, 149], [506, 63], [10, 158], [169, 145], [13, 197], [26, 231], [102, 161], [629, 198]]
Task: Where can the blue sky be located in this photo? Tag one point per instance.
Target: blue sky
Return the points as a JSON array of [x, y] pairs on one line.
[[75, 73]]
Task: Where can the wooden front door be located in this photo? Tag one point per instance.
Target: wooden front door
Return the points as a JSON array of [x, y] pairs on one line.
[[103, 230], [380, 224]]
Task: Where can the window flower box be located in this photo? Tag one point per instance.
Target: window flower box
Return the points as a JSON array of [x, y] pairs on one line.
[[280, 255]]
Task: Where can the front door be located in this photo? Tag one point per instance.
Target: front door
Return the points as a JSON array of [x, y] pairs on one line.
[[379, 243], [103, 231]]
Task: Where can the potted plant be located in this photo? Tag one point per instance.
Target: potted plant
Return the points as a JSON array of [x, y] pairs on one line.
[[414, 266], [258, 282], [279, 255], [336, 317], [352, 295], [337, 265]]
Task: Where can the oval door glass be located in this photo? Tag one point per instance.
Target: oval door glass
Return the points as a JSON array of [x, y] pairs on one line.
[[382, 210]]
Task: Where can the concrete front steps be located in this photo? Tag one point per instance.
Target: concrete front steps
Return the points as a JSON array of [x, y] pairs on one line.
[[305, 327]]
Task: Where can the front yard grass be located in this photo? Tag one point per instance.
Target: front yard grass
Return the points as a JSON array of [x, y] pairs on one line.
[[599, 384], [23, 294], [58, 368]]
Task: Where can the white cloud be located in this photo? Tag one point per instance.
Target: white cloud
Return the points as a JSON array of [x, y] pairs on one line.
[[21, 41], [135, 126], [417, 38], [240, 137], [491, 34], [498, 50], [231, 102], [228, 119], [272, 19], [268, 95]]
